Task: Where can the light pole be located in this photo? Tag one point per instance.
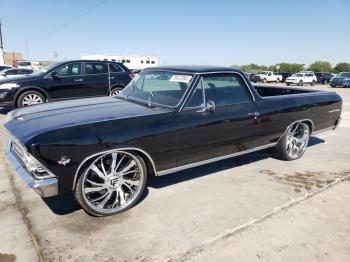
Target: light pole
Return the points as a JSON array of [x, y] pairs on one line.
[[1, 48]]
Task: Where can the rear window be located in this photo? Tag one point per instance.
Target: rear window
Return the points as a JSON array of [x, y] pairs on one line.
[[95, 68], [346, 74]]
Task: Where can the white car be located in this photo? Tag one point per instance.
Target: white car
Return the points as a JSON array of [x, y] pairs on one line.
[[302, 78], [267, 76]]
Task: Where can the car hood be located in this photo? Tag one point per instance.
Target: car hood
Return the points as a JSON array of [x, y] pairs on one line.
[[16, 79], [30, 121]]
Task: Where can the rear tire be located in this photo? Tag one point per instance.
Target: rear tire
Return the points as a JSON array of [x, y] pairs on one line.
[[293, 143], [313, 82], [115, 91], [301, 83], [288, 84], [278, 80]]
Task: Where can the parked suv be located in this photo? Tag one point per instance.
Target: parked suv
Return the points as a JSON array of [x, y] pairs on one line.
[[65, 80], [323, 77], [302, 78], [343, 79]]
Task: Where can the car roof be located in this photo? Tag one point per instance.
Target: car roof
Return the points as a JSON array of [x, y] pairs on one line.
[[193, 68]]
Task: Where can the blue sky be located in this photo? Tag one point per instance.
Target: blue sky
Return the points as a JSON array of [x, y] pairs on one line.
[[220, 32]]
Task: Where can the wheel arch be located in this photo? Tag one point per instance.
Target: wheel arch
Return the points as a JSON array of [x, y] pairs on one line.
[[309, 122], [31, 88], [150, 165]]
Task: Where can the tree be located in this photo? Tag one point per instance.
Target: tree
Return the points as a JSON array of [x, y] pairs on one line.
[[320, 66], [342, 67], [290, 67], [251, 68]]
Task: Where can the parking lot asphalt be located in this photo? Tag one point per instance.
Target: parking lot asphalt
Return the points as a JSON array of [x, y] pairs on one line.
[[248, 208]]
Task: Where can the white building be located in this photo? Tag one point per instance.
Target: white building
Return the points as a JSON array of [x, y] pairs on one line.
[[130, 61]]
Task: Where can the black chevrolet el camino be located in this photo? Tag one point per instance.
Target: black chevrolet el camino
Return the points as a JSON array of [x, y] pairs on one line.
[[167, 119]]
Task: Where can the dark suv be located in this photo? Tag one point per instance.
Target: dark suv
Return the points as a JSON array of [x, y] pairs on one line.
[[65, 80], [323, 77]]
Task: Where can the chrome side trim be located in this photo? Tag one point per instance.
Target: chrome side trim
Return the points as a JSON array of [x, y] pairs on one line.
[[333, 111], [110, 151], [176, 169], [44, 187], [324, 130]]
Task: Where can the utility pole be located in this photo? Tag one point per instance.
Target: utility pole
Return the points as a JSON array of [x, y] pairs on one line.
[[1, 48]]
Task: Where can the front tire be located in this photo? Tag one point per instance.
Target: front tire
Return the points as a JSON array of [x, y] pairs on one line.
[[29, 98], [301, 83], [293, 143], [112, 183]]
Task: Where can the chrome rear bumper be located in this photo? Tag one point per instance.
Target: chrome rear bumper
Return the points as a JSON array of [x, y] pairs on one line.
[[44, 188]]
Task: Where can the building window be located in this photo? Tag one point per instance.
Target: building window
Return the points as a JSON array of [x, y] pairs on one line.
[[152, 62], [113, 60], [105, 59], [123, 60], [141, 61], [128, 61], [147, 62]]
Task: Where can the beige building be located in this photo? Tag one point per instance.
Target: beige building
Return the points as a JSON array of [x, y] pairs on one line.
[[10, 58]]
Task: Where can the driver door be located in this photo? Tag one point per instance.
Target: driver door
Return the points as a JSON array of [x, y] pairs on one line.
[[68, 82], [231, 126]]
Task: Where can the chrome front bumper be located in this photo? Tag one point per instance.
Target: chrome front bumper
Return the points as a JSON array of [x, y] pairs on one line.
[[44, 188]]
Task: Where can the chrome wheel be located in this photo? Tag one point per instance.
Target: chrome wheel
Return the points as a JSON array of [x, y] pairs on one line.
[[113, 182], [116, 92], [31, 99], [297, 140]]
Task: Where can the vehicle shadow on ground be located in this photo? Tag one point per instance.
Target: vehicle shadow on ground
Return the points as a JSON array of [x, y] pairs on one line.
[[200, 171], [5, 110], [66, 204]]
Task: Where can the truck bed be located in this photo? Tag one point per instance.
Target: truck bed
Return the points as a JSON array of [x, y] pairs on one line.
[[265, 91]]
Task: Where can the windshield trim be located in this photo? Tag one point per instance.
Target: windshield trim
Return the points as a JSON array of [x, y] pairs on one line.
[[158, 104]]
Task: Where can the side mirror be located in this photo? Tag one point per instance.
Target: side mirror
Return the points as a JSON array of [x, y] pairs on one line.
[[210, 107], [54, 75]]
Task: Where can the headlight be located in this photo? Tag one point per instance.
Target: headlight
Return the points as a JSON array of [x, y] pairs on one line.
[[36, 168], [8, 85], [32, 165]]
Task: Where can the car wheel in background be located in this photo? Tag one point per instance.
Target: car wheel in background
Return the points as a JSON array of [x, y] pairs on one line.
[[288, 84], [301, 83], [116, 91], [29, 98], [293, 143], [264, 80], [313, 82], [112, 183], [278, 80]]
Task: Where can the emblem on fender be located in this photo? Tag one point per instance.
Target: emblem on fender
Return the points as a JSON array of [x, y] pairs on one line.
[[64, 161]]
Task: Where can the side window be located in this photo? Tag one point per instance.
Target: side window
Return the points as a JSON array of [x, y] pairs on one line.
[[95, 68], [12, 72], [222, 89], [114, 68], [69, 70]]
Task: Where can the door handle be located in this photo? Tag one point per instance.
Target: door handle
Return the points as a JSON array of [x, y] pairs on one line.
[[254, 114], [79, 80]]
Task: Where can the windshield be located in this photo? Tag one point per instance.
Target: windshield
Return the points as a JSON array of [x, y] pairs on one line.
[[46, 68], [158, 87], [347, 74]]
